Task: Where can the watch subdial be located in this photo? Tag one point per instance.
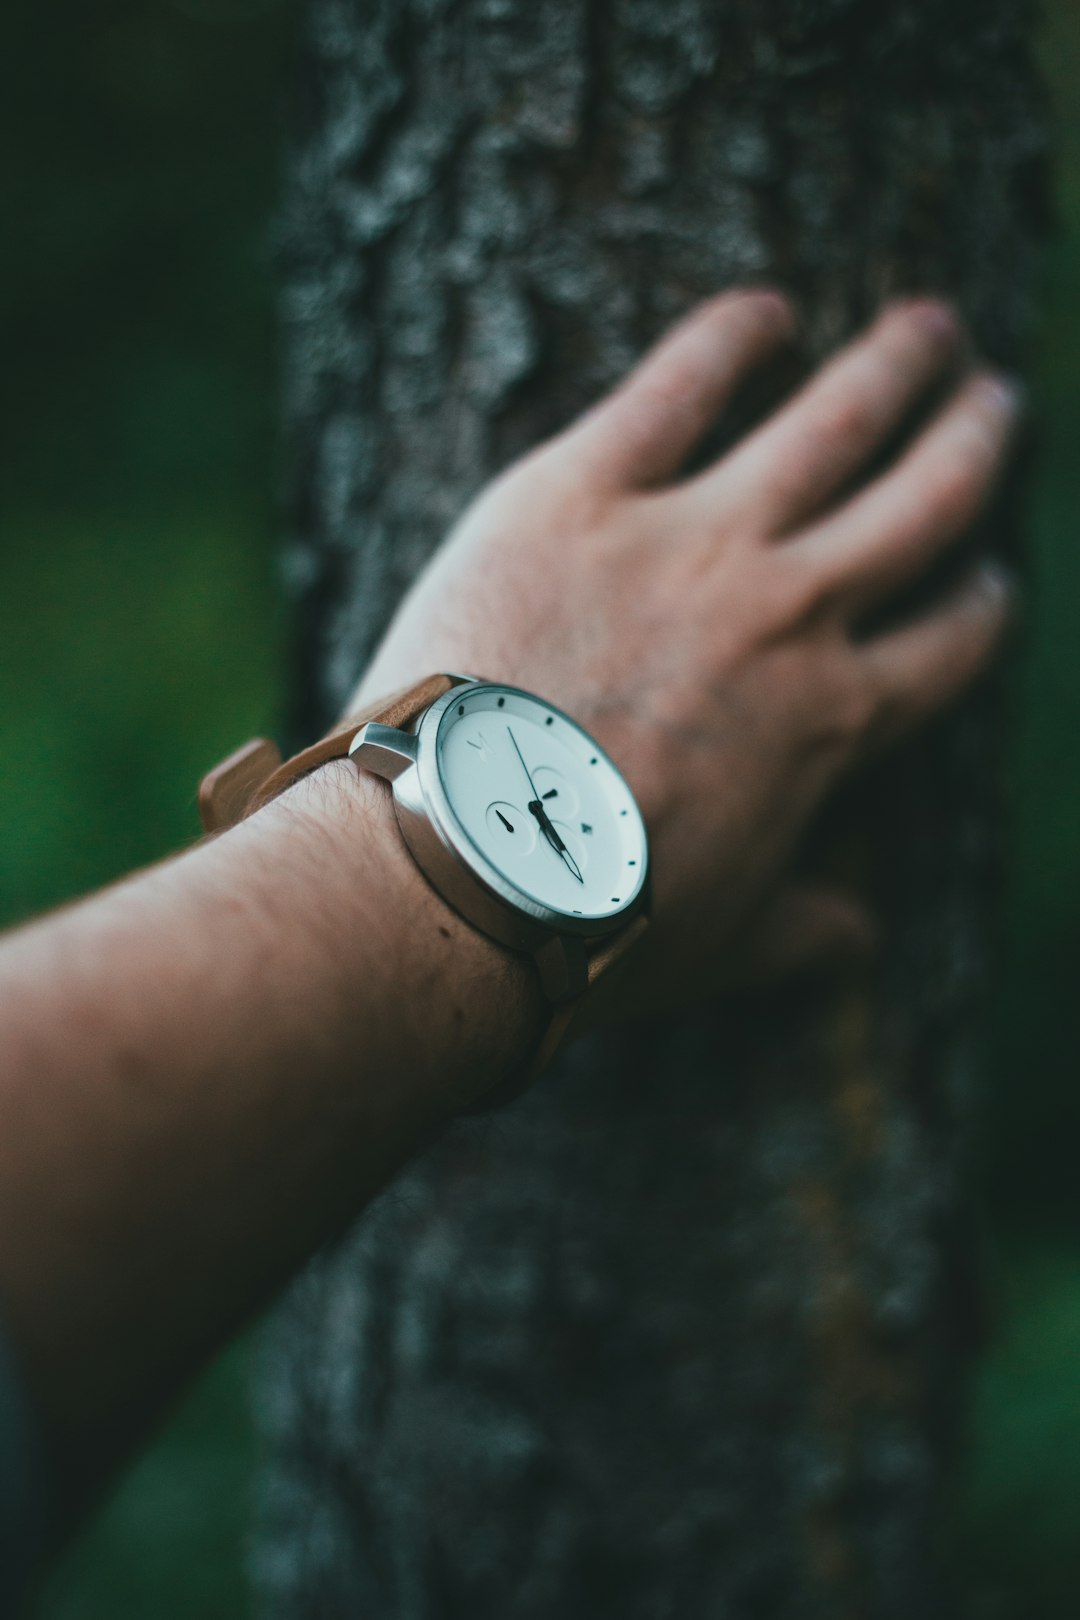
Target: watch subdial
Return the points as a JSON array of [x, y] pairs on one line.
[[556, 794], [512, 831]]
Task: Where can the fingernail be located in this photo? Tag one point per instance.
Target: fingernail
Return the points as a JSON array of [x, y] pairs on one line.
[[935, 317], [779, 302], [1008, 393], [997, 583]]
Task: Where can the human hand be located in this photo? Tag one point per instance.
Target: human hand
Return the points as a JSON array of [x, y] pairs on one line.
[[706, 629]]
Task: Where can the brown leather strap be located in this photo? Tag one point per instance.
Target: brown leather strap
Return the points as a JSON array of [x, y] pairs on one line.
[[254, 775], [606, 957], [226, 791], [400, 709]]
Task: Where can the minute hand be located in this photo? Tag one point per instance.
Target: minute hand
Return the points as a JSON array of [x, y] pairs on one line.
[[551, 833]]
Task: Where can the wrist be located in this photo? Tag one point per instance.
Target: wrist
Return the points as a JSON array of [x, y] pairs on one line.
[[459, 1011]]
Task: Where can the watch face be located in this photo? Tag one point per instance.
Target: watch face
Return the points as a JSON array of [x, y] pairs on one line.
[[540, 802]]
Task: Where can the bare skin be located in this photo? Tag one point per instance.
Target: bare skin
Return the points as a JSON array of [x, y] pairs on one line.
[[208, 1069], [204, 1072]]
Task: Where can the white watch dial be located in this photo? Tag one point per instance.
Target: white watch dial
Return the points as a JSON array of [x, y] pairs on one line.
[[542, 802]]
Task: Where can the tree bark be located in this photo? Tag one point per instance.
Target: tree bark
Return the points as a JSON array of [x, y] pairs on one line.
[[683, 1332]]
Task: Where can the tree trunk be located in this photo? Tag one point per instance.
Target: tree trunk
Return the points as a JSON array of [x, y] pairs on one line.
[[683, 1332]]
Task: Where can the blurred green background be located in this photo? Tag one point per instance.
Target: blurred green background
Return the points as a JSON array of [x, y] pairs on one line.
[[141, 638]]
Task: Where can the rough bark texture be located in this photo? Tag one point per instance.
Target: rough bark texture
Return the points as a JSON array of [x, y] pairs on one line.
[[683, 1332]]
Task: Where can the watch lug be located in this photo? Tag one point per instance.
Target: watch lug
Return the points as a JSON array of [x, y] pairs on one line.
[[383, 749], [563, 967]]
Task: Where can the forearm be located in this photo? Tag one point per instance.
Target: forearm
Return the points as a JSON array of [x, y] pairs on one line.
[[207, 1071]]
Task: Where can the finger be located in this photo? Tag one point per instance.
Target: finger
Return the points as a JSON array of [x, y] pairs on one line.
[[924, 666], [887, 535], [644, 431], [788, 467], [805, 927]]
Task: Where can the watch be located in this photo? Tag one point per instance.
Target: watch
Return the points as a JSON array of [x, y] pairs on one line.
[[513, 812]]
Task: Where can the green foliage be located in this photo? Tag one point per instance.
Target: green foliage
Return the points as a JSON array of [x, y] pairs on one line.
[[168, 1545], [127, 666], [140, 628], [1036, 1105], [1019, 1541], [1020, 1531], [140, 638]]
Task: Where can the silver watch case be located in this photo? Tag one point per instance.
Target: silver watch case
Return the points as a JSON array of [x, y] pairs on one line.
[[459, 871]]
